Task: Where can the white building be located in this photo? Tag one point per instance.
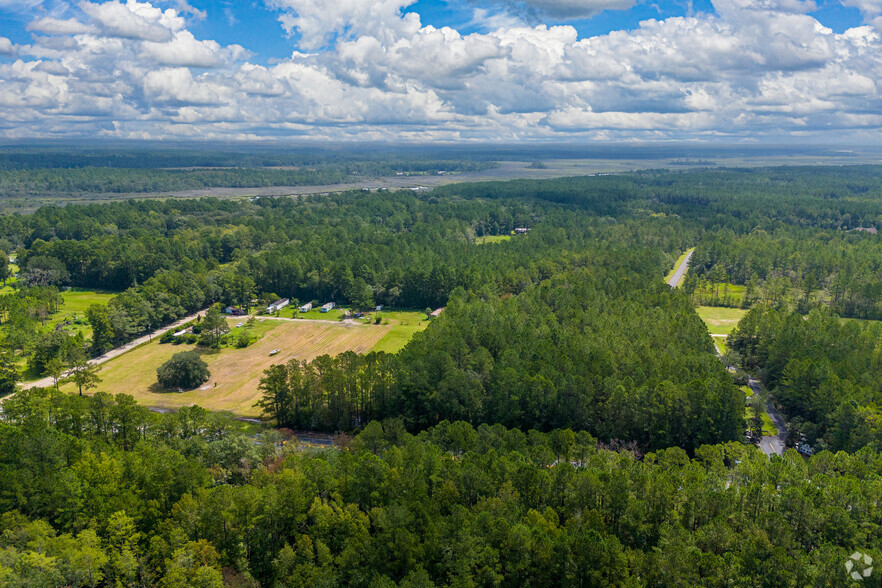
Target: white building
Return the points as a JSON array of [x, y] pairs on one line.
[[278, 305]]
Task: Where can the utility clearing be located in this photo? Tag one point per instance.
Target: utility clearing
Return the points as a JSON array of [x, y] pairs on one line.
[[235, 373]]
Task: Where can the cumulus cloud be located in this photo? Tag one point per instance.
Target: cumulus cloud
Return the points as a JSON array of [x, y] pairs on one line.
[[372, 70], [6, 46], [318, 20], [134, 20]]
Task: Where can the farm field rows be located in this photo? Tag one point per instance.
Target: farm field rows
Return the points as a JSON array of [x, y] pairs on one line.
[[235, 373]]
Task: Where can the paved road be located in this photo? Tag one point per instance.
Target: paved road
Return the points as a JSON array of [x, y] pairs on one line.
[[681, 270], [771, 444], [46, 382]]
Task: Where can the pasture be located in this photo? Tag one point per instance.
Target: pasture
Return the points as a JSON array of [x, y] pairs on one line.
[[720, 320], [235, 373]]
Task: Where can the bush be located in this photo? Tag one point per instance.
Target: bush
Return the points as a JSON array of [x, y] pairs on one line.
[[243, 340], [184, 370], [167, 337]]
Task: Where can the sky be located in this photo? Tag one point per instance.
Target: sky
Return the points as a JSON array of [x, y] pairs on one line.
[[735, 71]]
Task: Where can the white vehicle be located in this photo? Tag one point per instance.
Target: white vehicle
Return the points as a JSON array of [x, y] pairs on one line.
[[239, 325], [274, 352]]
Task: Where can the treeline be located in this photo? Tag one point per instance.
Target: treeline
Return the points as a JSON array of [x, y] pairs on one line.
[[806, 266], [825, 373], [91, 180], [608, 351], [192, 502]]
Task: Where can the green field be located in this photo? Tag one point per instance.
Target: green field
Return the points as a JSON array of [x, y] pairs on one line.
[[676, 265], [719, 320], [9, 287], [720, 344], [76, 302], [492, 239], [405, 325]]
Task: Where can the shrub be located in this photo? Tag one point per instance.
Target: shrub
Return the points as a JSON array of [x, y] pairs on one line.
[[167, 337], [184, 370]]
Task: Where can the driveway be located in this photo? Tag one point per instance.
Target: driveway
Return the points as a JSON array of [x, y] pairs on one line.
[[771, 444]]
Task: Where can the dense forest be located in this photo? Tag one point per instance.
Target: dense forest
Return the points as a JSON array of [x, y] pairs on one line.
[[99, 492], [565, 420], [825, 373]]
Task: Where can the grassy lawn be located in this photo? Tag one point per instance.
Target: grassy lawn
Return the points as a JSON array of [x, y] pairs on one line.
[[768, 427], [720, 320], [315, 314], [747, 391], [235, 373], [404, 325], [76, 302], [676, 265], [491, 239], [720, 344]]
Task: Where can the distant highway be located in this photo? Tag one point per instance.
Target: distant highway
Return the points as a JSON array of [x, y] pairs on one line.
[[681, 270]]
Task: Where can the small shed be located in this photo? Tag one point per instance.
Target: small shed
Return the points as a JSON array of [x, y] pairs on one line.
[[328, 307], [437, 312], [306, 307]]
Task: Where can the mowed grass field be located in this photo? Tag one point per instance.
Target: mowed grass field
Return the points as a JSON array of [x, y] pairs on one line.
[[403, 326], [719, 320], [235, 373], [76, 302]]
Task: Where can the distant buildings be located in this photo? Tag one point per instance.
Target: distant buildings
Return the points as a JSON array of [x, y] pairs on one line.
[[328, 307], [871, 230], [234, 311], [306, 307], [379, 308], [521, 230], [278, 305], [437, 312]]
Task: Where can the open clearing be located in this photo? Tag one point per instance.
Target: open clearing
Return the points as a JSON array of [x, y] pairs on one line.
[[235, 373], [403, 326], [492, 239], [719, 320]]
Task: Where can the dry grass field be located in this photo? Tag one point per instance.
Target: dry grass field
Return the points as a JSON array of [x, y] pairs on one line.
[[235, 373]]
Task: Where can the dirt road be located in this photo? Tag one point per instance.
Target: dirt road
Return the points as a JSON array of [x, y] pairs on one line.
[[46, 382]]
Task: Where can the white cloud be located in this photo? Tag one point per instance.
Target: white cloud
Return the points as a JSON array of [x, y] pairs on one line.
[[134, 20], [132, 69], [6, 46], [56, 26], [318, 20]]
